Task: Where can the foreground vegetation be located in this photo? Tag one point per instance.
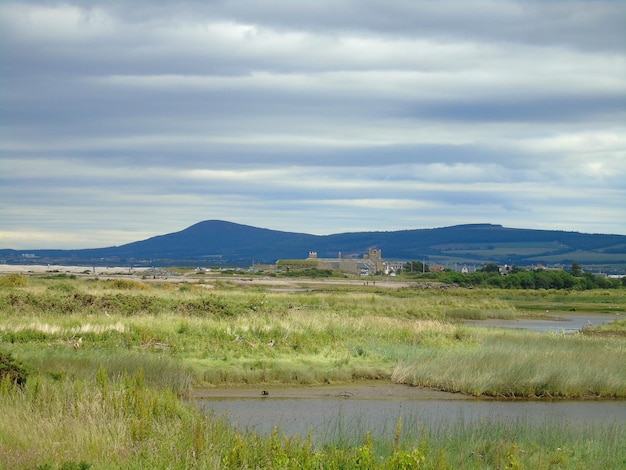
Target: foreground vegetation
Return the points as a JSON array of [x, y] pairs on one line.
[[109, 361]]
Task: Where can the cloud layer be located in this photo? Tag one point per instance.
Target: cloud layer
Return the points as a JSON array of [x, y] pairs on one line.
[[124, 120]]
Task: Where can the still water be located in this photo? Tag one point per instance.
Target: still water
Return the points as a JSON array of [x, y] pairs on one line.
[[559, 324], [327, 411]]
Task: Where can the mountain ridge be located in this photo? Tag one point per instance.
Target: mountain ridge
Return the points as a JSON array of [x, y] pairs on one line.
[[224, 242]]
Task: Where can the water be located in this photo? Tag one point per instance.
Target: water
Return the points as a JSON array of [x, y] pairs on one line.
[[561, 323], [328, 411]]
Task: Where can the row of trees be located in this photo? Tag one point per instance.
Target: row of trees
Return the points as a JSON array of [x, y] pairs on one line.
[[520, 278], [533, 280]]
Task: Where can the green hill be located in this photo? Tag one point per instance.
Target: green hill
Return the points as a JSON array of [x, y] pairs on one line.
[[216, 242]]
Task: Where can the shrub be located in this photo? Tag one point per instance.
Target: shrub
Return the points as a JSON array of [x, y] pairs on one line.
[[127, 284], [11, 370], [13, 280]]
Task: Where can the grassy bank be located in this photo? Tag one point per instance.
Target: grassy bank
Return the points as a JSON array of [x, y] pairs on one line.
[[124, 423], [224, 334], [108, 361], [521, 364]]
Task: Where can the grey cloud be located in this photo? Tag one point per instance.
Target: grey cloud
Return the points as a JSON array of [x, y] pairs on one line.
[[585, 24], [524, 109], [310, 116]]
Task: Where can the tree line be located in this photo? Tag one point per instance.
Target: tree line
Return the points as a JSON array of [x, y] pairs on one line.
[[521, 278]]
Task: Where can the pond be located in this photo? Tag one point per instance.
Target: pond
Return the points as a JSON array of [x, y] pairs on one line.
[[328, 411], [560, 323]]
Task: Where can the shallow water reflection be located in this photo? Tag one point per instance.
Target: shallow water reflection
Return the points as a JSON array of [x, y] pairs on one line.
[[561, 323], [325, 417]]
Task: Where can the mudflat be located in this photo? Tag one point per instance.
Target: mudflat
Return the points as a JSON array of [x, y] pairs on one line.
[[358, 391]]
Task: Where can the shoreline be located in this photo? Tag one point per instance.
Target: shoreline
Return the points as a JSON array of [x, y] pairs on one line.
[[367, 390], [351, 390], [58, 268]]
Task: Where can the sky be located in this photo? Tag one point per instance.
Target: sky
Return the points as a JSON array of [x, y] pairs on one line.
[[123, 120]]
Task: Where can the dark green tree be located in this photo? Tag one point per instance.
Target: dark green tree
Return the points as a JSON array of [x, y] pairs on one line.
[[416, 267], [575, 270], [491, 268]]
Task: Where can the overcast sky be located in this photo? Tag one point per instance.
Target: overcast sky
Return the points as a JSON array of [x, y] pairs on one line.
[[128, 119]]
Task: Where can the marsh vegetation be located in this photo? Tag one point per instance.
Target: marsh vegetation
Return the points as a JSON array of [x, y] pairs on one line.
[[110, 361]]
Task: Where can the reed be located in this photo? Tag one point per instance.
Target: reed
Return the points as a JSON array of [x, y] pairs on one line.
[[522, 364]]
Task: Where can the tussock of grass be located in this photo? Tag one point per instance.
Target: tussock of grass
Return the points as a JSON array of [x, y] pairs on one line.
[[126, 284], [616, 328], [521, 364], [13, 280], [479, 314], [56, 330]]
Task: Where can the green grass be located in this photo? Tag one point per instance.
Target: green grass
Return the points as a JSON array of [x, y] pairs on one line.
[[128, 424], [521, 364], [595, 301], [614, 329], [220, 334], [110, 362]]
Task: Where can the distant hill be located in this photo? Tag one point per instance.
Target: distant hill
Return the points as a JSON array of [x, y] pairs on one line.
[[216, 242]]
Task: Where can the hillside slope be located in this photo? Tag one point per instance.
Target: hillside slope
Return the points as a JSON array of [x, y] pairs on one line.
[[220, 242]]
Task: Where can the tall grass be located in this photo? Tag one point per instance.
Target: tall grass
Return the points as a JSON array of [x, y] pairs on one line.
[[110, 360], [93, 421], [223, 335], [522, 364], [128, 424]]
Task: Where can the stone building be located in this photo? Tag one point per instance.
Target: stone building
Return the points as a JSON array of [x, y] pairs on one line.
[[371, 263]]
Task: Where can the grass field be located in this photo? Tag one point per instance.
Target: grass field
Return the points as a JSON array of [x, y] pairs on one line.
[[108, 362]]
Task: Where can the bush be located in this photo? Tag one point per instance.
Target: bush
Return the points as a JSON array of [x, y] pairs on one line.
[[11, 370], [309, 273], [530, 280], [13, 280], [127, 284]]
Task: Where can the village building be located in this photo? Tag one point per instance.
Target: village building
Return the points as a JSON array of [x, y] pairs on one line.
[[371, 263]]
